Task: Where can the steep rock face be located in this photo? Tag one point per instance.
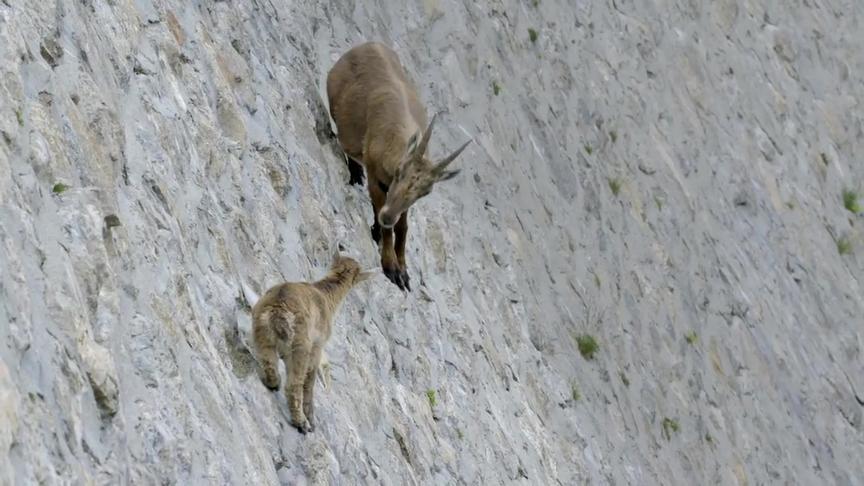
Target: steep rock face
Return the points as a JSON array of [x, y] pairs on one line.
[[665, 178]]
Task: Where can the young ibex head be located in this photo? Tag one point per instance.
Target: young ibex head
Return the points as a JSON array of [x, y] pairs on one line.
[[415, 177], [347, 270]]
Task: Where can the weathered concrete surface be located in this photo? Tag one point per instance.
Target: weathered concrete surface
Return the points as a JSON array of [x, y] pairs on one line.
[[193, 141]]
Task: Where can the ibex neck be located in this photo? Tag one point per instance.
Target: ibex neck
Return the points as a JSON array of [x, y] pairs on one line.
[[334, 289]]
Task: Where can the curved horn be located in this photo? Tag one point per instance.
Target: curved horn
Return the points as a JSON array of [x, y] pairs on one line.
[[421, 149], [450, 158]]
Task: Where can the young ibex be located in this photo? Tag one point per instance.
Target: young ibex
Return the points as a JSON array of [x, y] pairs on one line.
[[293, 321], [379, 117]]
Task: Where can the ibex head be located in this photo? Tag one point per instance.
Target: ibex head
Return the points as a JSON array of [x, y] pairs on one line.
[[348, 270], [415, 177]]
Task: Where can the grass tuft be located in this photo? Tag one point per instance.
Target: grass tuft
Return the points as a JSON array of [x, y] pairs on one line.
[[430, 395], [851, 201], [615, 185], [532, 34], [669, 426], [496, 88], [844, 245], [574, 392], [691, 337], [59, 188], [587, 346]]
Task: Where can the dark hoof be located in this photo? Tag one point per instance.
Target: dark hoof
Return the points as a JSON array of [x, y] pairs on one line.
[[376, 232], [398, 277], [304, 427], [272, 384], [406, 281], [356, 180]]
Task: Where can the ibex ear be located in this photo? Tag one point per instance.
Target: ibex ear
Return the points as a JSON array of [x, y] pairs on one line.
[[335, 256], [364, 276], [412, 144], [448, 174]]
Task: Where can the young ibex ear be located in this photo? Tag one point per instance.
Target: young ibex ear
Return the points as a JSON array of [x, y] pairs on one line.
[[335, 255], [364, 276]]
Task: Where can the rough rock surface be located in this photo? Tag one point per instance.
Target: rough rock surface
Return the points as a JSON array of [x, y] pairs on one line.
[[663, 176]]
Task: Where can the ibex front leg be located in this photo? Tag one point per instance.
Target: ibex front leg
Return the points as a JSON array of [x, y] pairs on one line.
[[309, 387], [389, 262], [401, 231]]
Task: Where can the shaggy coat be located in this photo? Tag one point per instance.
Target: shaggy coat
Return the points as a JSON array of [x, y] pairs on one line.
[[293, 321]]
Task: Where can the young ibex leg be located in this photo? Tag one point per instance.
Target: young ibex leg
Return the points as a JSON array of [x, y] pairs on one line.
[[270, 368], [265, 345], [389, 263], [309, 387], [297, 363], [401, 231]]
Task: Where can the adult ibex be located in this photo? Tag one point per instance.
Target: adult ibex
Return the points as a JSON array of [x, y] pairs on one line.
[[379, 118]]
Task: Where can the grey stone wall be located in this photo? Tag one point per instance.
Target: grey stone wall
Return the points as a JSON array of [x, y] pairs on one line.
[[665, 177]]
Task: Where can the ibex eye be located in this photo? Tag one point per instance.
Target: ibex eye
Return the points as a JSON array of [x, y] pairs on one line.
[[383, 186]]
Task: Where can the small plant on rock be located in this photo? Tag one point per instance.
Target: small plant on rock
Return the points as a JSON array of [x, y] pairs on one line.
[[587, 346], [532, 34], [615, 185], [59, 188], [851, 201], [430, 395], [670, 426], [844, 245], [691, 337]]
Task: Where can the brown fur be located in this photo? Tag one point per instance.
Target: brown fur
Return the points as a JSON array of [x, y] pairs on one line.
[[379, 117], [293, 321]]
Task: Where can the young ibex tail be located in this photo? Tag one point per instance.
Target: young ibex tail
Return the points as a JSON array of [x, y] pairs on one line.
[[380, 118], [293, 321]]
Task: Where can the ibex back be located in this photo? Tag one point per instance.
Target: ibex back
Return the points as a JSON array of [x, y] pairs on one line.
[[379, 118]]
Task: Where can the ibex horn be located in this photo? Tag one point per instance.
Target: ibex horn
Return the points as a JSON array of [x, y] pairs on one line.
[[426, 135], [450, 158]]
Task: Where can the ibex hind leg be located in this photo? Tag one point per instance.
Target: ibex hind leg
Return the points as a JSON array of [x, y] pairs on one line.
[[265, 347]]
